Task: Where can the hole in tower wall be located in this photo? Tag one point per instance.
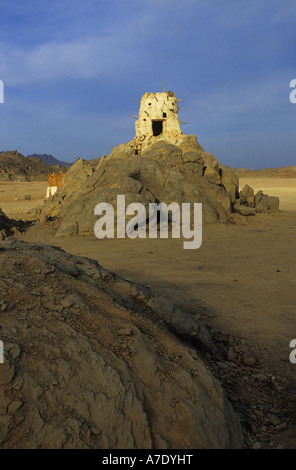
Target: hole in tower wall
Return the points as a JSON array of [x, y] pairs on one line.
[[157, 127]]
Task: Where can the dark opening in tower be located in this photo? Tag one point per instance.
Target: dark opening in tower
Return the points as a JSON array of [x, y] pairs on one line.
[[157, 127]]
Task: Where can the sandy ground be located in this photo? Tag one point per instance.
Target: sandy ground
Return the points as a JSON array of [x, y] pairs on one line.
[[241, 281], [242, 278], [12, 197]]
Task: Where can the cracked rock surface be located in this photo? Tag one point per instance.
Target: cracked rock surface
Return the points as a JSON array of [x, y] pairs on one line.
[[95, 361]]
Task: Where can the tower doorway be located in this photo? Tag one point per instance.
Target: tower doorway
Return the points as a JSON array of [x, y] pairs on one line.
[[157, 127]]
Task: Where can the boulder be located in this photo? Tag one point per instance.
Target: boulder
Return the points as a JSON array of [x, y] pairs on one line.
[[229, 181], [212, 175], [243, 210], [246, 196], [121, 151], [265, 203], [100, 362], [210, 160], [193, 157], [188, 143]]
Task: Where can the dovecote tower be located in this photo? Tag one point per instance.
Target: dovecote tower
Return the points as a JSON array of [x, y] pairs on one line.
[[158, 118]]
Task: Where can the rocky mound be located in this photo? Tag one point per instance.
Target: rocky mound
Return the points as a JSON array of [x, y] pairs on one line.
[[16, 167], [164, 172], [95, 361], [282, 172]]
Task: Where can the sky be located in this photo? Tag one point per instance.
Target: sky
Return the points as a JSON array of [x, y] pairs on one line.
[[72, 68]]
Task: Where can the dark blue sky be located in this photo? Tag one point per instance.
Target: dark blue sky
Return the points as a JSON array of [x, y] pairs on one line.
[[71, 69]]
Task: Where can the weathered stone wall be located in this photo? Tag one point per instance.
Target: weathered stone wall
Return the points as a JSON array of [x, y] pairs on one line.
[[157, 109]]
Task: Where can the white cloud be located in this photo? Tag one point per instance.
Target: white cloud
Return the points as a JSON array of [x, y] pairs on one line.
[[122, 44], [81, 59]]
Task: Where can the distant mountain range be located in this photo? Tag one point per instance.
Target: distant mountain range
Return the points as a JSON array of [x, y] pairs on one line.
[[49, 159]]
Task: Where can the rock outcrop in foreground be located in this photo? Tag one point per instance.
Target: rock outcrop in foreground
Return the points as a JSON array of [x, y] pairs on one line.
[[95, 361]]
